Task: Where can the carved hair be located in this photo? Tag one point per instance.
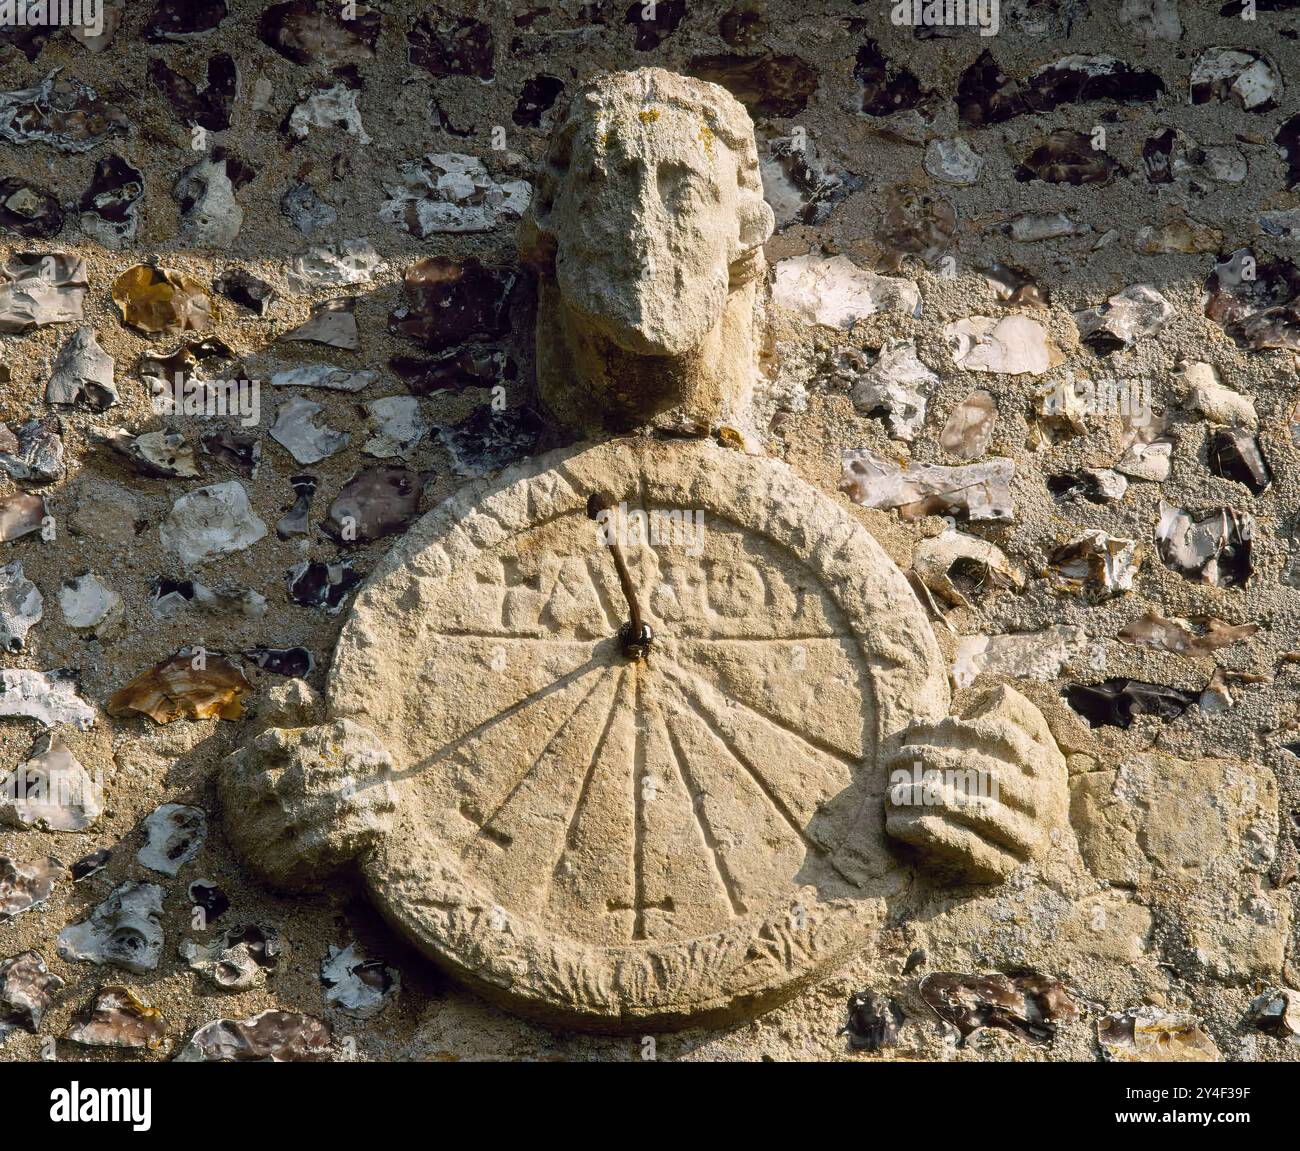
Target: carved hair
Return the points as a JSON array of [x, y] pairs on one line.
[[720, 113]]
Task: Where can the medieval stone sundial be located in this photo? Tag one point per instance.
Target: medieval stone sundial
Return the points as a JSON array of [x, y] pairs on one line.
[[585, 830], [617, 841]]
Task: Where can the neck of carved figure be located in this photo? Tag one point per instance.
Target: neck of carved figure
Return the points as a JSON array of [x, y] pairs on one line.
[[589, 382]]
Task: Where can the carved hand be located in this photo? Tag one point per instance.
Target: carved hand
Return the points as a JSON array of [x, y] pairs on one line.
[[300, 802], [980, 793]]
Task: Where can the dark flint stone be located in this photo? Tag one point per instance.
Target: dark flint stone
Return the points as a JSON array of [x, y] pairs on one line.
[[1288, 143], [987, 95], [768, 85], [873, 1022], [208, 106], [743, 26], [1236, 455], [181, 19], [294, 522], [240, 451], [450, 302], [489, 439], [295, 662], [886, 88], [1029, 1006], [1067, 157], [1156, 153], [653, 32], [29, 210], [88, 865], [376, 502], [1065, 485], [326, 585], [1114, 702], [211, 898], [245, 289], [313, 32], [115, 189], [454, 371], [447, 45], [535, 99]]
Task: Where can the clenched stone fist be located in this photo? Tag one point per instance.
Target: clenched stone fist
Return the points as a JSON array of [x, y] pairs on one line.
[[980, 792], [299, 802]]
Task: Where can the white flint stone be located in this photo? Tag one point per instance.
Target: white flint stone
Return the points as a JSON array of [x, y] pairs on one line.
[[1138, 311], [305, 440], [899, 382], [1029, 228], [348, 991], [124, 931], [1012, 345], [89, 604], [1025, 655], [82, 371], [324, 376], [50, 697], [335, 265], [953, 162], [835, 292], [21, 606], [211, 521], [982, 490], [1214, 400], [333, 107], [1152, 19], [933, 560], [1096, 563], [57, 793], [450, 192], [397, 424], [1255, 81], [175, 833], [1147, 461], [969, 428], [214, 217]]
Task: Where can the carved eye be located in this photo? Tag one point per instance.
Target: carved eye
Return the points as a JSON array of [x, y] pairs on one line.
[[675, 181]]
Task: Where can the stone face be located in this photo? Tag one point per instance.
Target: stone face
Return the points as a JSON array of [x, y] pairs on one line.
[[646, 229]]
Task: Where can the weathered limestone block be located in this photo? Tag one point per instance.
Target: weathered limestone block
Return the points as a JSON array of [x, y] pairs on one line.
[[1160, 815], [646, 231], [1194, 839], [299, 803]]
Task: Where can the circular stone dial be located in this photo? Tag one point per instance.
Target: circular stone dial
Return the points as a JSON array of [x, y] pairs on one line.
[[616, 844]]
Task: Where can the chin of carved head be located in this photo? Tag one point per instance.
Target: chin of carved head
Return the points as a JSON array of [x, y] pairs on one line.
[[660, 313]]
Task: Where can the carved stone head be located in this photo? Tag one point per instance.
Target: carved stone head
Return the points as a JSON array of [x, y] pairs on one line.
[[646, 231]]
